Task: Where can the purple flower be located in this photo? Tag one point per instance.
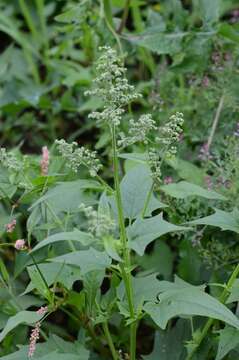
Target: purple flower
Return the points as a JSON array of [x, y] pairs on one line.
[[20, 244], [42, 311], [35, 335], [204, 153], [208, 182], [236, 132], [168, 180], [205, 81], [11, 226], [45, 161]]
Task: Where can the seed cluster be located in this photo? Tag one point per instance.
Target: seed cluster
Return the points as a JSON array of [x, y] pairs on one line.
[[77, 156], [111, 85], [99, 224]]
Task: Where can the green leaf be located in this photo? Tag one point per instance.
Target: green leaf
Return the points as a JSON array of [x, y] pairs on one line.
[[73, 195], [187, 170], [191, 302], [159, 260], [210, 10], [145, 288], [144, 231], [163, 348], [57, 356], [84, 238], [159, 42], [228, 340], [134, 189], [183, 189], [73, 15], [229, 32], [223, 219], [87, 260], [23, 317], [234, 292], [53, 344], [53, 273]]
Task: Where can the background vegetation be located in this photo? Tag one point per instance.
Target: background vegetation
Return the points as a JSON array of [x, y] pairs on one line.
[[183, 57]]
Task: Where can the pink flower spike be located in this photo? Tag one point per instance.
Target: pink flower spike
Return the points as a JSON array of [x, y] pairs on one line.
[[45, 161], [20, 244], [168, 180], [35, 335], [42, 310], [11, 226]]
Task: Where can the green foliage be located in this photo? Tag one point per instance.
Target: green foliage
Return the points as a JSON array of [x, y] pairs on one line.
[[92, 276]]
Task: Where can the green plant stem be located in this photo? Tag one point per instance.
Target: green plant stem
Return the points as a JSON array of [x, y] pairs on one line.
[[139, 27], [215, 121], [110, 341], [40, 10], [110, 24], [28, 18], [124, 17], [42, 277], [126, 266], [223, 297]]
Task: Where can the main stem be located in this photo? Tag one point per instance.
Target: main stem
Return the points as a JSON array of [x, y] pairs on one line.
[[110, 341], [125, 267], [223, 297]]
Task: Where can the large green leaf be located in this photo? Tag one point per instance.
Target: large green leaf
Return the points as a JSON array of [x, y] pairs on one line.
[[53, 273], [23, 317], [87, 260], [159, 260], [145, 288], [55, 355], [163, 348], [223, 219], [76, 235], [144, 231], [53, 344], [67, 196], [188, 301], [187, 171], [184, 189], [159, 42], [234, 292], [135, 187], [209, 10], [228, 340]]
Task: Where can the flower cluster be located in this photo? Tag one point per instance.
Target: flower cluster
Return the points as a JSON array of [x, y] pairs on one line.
[[138, 131], [155, 165], [171, 132], [11, 226], [20, 244], [45, 161], [111, 85], [99, 224], [204, 153], [9, 160], [35, 333], [77, 156]]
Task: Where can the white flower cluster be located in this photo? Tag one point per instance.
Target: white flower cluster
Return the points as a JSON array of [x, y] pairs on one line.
[[112, 87], [138, 131], [171, 133], [99, 224], [77, 156], [155, 165], [9, 160]]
